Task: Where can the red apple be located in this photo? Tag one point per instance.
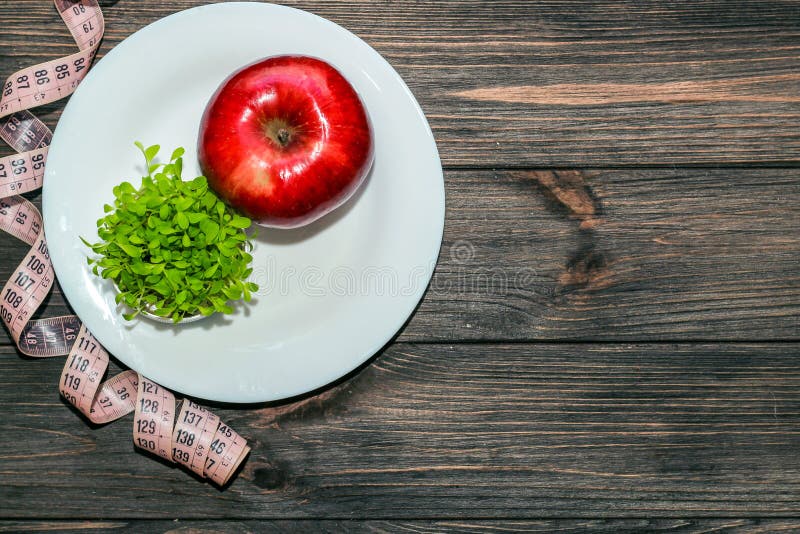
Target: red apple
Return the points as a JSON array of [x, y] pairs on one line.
[[285, 140]]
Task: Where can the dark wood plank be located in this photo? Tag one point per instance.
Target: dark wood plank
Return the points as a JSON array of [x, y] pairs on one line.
[[466, 526], [613, 255], [604, 255], [449, 431], [519, 83]]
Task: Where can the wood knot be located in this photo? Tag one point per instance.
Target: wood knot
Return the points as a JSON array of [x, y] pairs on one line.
[[570, 190], [270, 477], [587, 269], [322, 404]]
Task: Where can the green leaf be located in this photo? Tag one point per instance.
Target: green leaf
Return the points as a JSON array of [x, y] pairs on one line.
[[130, 250], [181, 220], [163, 287], [199, 183], [166, 311], [210, 271], [181, 297], [233, 292], [111, 273], [163, 185], [195, 217], [126, 188], [205, 310], [141, 268], [210, 229], [240, 222], [152, 201], [226, 250], [151, 152], [183, 204], [174, 276], [130, 300]]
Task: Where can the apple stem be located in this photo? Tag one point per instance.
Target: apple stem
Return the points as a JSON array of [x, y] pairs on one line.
[[283, 136]]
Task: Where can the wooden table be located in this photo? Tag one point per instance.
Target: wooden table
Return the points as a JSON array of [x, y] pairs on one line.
[[610, 341]]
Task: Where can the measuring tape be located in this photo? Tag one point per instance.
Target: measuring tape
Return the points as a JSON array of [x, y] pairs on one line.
[[178, 431]]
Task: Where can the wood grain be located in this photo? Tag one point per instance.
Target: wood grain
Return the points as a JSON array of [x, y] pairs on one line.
[[612, 254], [570, 84], [599, 255], [449, 431], [621, 174], [465, 526]]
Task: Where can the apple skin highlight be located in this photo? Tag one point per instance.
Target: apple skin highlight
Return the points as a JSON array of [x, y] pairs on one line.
[[285, 140]]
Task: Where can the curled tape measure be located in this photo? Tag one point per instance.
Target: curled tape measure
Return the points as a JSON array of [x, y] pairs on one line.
[[180, 432]]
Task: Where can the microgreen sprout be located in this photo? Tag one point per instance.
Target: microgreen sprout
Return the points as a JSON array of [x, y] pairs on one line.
[[172, 248]]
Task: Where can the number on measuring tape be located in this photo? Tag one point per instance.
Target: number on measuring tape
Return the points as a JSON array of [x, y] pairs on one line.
[[148, 405], [193, 437], [24, 281], [72, 381], [180, 455], [35, 264], [79, 363], [146, 426], [192, 418], [185, 438]]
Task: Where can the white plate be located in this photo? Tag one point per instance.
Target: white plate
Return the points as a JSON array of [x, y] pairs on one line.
[[332, 293]]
